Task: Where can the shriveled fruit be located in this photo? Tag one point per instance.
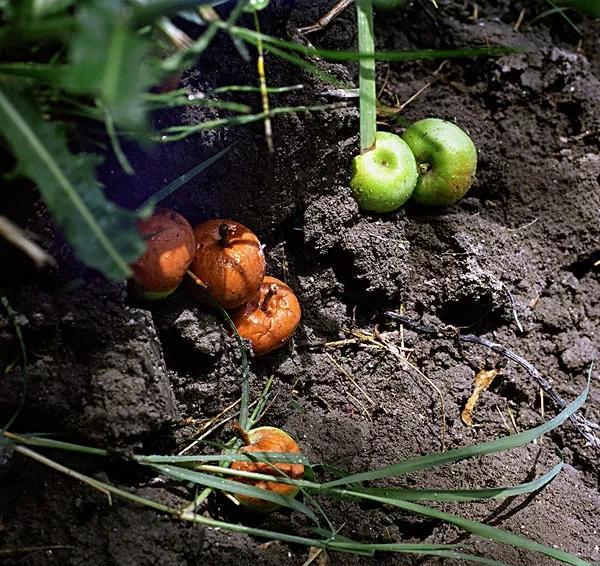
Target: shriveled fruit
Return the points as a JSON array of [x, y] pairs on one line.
[[229, 260], [270, 318], [446, 159], [267, 439], [169, 252]]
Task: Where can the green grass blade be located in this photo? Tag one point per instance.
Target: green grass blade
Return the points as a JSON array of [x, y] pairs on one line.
[[187, 57], [479, 529], [435, 460], [407, 55], [49, 73], [109, 124], [254, 89], [103, 235], [177, 133], [366, 75], [278, 457], [590, 7], [463, 494], [169, 189], [308, 66], [232, 486], [177, 98]]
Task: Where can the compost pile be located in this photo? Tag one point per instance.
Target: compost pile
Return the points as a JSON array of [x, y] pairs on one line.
[[515, 261]]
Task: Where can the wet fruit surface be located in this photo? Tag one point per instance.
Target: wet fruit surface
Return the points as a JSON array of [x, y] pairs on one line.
[[270, 318], [269, 439], [170, 250], [229, 260], [384, 177], [446, 158]]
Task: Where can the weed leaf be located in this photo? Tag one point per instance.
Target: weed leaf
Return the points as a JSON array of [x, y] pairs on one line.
[[103, 235]]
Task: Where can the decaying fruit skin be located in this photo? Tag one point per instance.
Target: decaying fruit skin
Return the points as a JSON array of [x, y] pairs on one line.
[[446, 158], [170, 250], [270, 318], [229, 260], [268, 439]]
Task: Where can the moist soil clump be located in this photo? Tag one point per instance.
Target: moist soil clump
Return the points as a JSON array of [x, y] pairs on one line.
[[515, 262]]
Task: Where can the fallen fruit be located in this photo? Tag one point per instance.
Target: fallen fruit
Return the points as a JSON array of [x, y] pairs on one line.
[[229, 260], [446, 158], [267, 439], [170, 250], [384, 177], [270, 318]]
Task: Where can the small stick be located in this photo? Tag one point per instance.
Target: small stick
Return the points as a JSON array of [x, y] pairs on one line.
[[325, 20], [519, 20], [584, 426], [513, 305]]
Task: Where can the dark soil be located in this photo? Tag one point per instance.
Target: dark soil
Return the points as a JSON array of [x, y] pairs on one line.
[[136, 377]]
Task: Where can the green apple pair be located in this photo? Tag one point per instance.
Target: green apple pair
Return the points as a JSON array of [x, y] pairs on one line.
[[434, 162]]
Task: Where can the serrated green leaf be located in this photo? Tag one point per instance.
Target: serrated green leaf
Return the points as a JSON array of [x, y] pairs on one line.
[[103, 235], [108, 60]]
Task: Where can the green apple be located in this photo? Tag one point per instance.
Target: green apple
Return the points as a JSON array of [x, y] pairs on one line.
[[388, 4], [384, 177], [446, 159]]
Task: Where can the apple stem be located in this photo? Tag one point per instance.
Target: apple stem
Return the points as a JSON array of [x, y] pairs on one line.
[[225, 232], [241, 433], [268, 296]]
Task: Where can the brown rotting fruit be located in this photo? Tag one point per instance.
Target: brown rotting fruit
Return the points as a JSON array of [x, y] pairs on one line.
[[270, 318], [267, 439], [229, 260], [170, 250]]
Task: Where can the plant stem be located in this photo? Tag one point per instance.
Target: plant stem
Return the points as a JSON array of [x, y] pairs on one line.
[[368, 98]]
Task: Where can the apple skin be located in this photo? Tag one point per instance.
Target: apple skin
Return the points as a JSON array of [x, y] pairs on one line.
[[446, 158], [384, 177], [388, 5]]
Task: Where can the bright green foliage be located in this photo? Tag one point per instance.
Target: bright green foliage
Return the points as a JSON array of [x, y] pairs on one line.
[[103, 235]]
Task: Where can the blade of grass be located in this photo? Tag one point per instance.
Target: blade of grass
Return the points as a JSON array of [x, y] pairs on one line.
[[114, 139], [184, 58], [169, 189], [344, 55], [262, 78], [366, 75], [232, 486], [177, 133], [182, 97], [490, 447], [250, 88], [53, 74], [308, 67], [463, 494], [476, 528]]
